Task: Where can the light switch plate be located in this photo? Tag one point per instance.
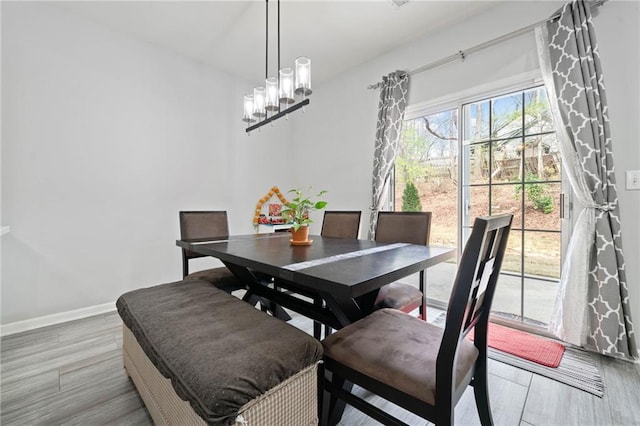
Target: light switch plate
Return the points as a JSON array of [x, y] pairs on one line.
[[633, 179]]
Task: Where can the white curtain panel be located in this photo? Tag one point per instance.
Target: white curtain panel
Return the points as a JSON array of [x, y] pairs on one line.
[[393, 101], [592, 307]]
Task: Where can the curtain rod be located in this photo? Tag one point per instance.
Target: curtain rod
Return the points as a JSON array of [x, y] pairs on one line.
[[462, 54]]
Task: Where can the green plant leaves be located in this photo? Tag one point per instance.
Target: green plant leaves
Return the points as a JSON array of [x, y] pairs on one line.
[[298, 208]]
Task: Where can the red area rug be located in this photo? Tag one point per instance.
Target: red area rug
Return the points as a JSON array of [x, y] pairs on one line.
[[525, 345], [576, 368]]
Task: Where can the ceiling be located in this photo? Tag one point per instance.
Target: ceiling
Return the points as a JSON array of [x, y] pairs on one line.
[[230, 35]]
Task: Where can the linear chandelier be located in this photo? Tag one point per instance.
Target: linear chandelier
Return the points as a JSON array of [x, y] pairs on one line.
[[271, 101]]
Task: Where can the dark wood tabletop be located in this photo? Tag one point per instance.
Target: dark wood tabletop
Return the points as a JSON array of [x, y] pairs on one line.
[[345, 273]]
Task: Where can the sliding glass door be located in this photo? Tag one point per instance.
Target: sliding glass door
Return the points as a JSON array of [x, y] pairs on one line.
[[486, 157], [511, 164]]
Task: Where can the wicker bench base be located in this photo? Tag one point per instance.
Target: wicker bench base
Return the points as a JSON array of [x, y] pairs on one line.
[[293, 401]]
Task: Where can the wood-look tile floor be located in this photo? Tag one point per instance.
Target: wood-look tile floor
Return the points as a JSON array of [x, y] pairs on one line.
[[72, 374]]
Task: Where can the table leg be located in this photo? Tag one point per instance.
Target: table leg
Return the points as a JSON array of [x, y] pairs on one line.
[[345, 311], [277, 310], [250, 279]]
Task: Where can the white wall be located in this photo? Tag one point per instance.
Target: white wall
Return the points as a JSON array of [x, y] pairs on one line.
[[104, 139], [338, 132]]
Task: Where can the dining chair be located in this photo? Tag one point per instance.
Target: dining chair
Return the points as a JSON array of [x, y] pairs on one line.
[[202, 225], [341, 224], [419, 366], [403, 227]]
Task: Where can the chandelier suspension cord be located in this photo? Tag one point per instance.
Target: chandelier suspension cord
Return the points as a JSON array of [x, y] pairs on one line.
[[278, 70], [266, 41]]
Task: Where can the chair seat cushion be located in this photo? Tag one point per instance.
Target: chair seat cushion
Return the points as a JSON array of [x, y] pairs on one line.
[[396, 349], [398, 296], [221, 278]]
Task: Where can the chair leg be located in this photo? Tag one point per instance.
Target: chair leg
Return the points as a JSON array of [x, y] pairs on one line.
[[481, 393], [423, 290], [185, 266], [317, 327], [327, 331], [335, 405]]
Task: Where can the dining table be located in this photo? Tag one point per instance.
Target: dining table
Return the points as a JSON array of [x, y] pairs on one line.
[[334, 281]]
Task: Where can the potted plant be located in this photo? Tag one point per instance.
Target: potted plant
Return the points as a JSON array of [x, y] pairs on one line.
[[297, 212]]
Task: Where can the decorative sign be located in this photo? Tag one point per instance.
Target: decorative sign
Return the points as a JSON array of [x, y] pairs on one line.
[[274, 210], [273, 213]]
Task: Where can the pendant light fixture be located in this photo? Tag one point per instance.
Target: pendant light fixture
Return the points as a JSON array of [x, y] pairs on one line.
[[277, 97]]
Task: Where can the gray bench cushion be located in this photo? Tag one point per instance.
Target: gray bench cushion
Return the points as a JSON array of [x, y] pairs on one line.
[[218, 351]]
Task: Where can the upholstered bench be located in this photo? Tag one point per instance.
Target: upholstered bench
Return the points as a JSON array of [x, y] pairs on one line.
[[198, 355]]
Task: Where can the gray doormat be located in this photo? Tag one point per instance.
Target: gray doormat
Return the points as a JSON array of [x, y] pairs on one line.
[[577, 368]]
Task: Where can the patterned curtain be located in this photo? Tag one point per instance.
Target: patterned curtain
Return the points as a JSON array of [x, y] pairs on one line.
[[592, 308], [393, 100]]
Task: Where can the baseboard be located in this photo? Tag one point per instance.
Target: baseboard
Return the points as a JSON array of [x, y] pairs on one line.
[[31, 324]]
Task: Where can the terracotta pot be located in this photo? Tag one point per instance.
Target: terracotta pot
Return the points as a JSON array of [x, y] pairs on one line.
[[302, 234]]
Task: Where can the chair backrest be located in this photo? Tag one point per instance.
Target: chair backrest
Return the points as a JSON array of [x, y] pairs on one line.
[[472, 293], [403, 227], [341, 224], [201, 225]]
